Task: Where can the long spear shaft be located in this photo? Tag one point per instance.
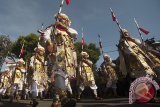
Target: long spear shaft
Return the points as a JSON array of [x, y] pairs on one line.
[[54, 27], [100, 43], [21, 50], [82, 48], [140, 34], [82, 40], [82, 67], [60, 7], [119, 26]]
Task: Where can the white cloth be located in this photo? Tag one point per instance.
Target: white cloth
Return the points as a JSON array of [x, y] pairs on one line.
[[34, 88], [2, 91]]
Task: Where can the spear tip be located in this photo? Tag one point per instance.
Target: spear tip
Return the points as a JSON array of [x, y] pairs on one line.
[[134, 19]]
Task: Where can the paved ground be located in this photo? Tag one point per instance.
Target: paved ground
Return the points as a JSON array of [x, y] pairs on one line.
[[112, 102]]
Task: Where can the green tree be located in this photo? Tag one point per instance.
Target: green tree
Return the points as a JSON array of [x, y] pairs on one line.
[[30, 42], [5, 47]]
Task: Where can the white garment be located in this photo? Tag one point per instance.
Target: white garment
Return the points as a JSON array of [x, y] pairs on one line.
[[34, 88], [2, 91]]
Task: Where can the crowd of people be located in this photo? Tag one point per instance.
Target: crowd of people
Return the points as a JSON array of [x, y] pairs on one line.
[[55, 71]]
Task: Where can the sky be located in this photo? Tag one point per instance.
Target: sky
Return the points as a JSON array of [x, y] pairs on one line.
[[22, 17]]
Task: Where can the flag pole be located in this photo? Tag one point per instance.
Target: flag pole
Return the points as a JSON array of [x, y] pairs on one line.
[[145, 51], [82, 40], [140, 34], [42, 26], [102, 52], [119, 26], [60, 7], [22, 49], [54, 27], [100, 44], [115, 19], [82, 55], [80, 64]]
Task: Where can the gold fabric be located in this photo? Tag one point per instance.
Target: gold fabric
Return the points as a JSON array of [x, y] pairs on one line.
[[18, 78], [111, 73], [39, 73], [138, 61], [87, 74], [6, 82], [65, 45]]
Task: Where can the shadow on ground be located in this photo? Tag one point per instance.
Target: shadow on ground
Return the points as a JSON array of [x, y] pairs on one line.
[[14, 104]]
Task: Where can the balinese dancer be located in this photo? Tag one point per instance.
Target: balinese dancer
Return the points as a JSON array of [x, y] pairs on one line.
[[65, 55], [18, 79], [61, 54], [153, 55], [110, 75], [5, 82], [39, 76], [87, 76], [134, 56]]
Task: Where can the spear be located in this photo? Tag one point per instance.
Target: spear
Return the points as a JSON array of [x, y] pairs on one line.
[[119, 26], [60, 7], [100, 44], [22, 50], [82, 67], [101, 48], [115, 19], [140, 34], [82, 40], [25, 74]]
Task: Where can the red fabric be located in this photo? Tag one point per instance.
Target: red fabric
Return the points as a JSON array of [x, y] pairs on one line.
[[113, 17], [60, 28], [144, 30], [22, 52], [68, 2]]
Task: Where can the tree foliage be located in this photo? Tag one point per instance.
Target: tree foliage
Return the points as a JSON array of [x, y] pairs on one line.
[[5, 47], [30, 42]]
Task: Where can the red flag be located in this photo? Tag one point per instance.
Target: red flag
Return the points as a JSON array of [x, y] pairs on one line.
[[144, 30], [113, 17], [22, 52], [68, 2]]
